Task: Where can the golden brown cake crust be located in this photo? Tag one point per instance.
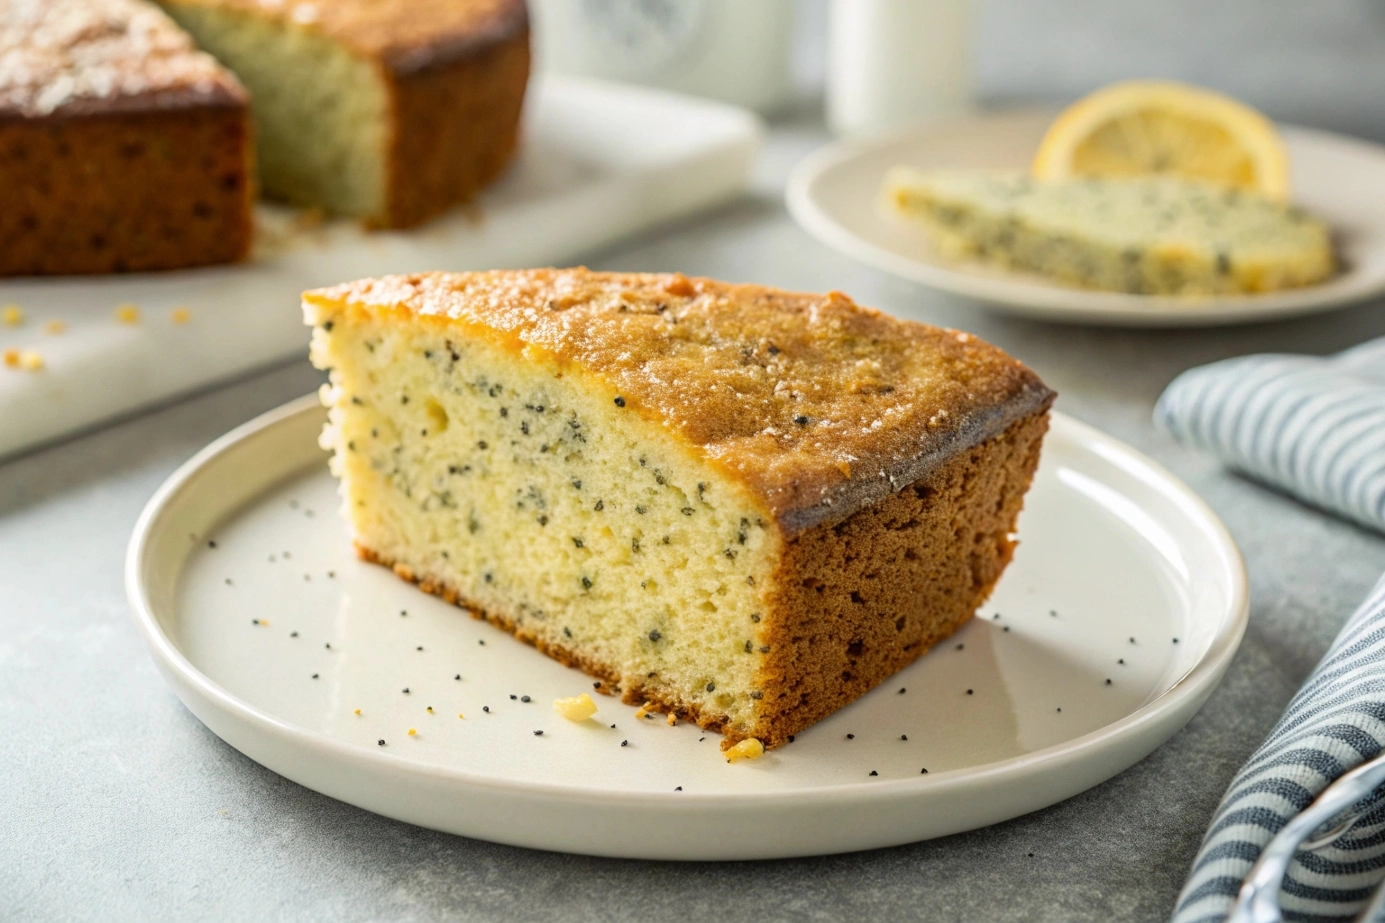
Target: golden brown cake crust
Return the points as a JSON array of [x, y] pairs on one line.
[[405, 35], [78, 57], [819, 406]]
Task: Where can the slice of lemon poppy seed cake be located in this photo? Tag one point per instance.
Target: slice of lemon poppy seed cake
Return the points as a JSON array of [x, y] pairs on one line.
[[744, 506]]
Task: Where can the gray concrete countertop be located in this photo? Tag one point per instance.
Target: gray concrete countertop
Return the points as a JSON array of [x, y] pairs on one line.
[[117, 804]]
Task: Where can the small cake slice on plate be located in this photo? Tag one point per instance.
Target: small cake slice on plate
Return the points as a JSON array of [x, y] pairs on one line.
[[385, 110], [743, 506], [1151, 235]]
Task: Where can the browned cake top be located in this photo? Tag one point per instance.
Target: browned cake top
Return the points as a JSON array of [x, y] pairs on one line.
[[77, 56], [817, 404], [407, 35]]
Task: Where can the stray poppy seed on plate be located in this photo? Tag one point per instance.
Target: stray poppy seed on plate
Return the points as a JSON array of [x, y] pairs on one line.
[[851, 737], [486, 709], [901, 690], [971, 691], [406, 690], [513, 697], [293, 634], [524, 698], [1108, 681], [211, 544], [381, 741], [314, 676], [538, 733], [625, 743], [678, 789], [903, 736], [923, 771], [874, 773], [458, 676]]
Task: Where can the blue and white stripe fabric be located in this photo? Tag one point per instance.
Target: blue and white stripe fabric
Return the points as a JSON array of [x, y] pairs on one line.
[[1314, 427], [1334, 723]]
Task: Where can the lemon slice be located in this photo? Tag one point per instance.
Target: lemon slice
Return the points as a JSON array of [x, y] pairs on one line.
[[1144, 127]]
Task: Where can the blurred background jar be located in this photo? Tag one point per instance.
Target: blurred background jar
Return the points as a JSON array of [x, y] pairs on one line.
[[898, 62], [733, 50]]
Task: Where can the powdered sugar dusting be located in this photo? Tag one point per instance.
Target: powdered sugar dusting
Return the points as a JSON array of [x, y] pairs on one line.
[[56, 53]]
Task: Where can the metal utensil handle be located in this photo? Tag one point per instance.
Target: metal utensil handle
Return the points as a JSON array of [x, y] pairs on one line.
[[1258, 901]]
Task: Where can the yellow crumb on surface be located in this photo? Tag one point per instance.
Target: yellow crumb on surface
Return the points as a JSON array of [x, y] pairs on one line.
[[180, 315], [11, 358], [430, 709], [127, 313], [460, 715], [310, 218], [640, 713], [577, 708], [358, 711], [30, 361], [749, 749], [12, 315], [54, 327], [413, 732], [672, 719]]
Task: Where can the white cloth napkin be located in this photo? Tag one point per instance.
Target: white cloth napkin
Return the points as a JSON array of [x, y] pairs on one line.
[[1315, 428]]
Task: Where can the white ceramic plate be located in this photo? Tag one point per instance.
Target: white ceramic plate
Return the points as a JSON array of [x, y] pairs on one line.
[[598, 162], [1117, 561], [835, 192]]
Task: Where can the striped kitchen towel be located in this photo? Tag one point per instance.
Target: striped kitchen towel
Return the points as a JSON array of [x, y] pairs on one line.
[[1314, 427], [1334, 723]]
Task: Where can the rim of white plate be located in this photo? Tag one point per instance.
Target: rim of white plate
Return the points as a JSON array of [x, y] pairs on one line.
[[1195, 682]]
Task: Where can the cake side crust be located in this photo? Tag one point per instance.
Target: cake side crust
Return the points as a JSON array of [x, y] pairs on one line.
[[856, 602], [435, 163], [125, 192]]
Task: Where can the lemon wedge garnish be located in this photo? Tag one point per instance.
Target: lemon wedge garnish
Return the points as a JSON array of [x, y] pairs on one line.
[[1143, 127]]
